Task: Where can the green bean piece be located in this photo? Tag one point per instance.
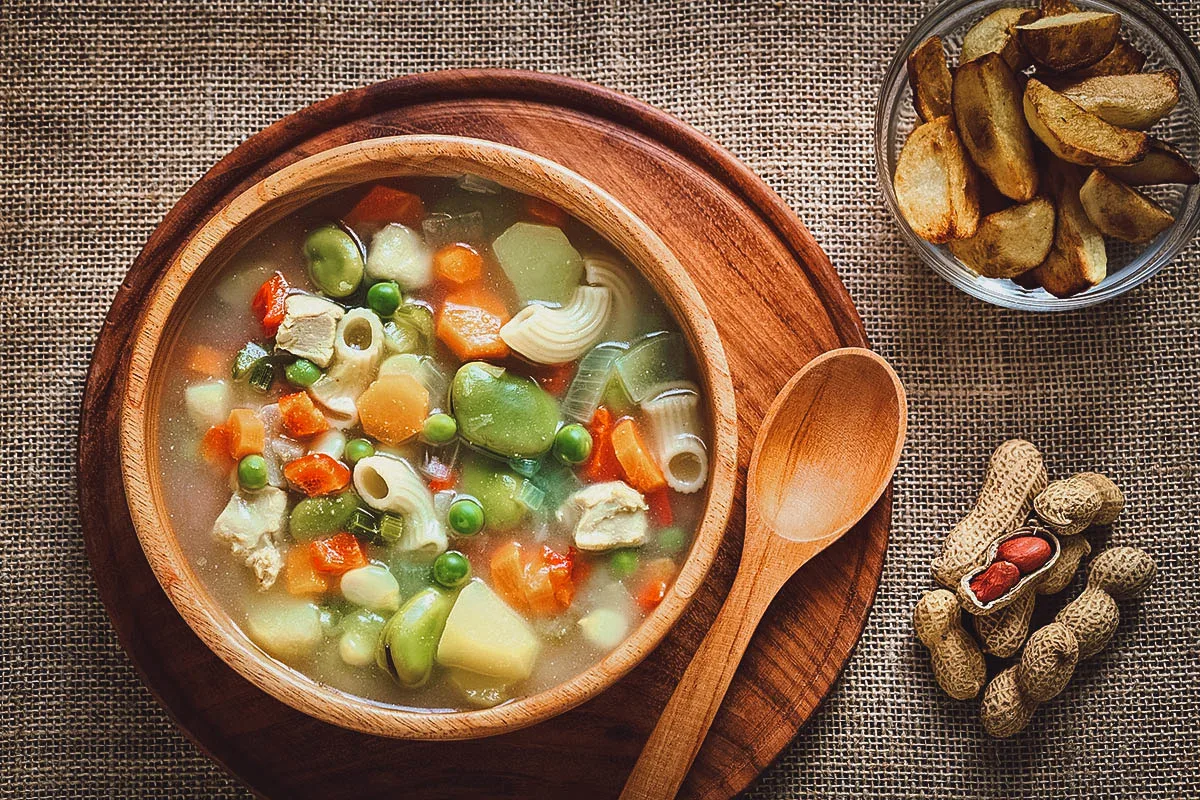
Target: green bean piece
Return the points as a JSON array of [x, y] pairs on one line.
[[335, 261], [391, 528], [319, 516]]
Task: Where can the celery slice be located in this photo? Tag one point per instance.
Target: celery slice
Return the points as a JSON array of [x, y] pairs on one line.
[[652, 362]]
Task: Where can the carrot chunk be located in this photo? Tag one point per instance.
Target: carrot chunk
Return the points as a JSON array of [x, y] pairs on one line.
[[300, 416], [384, 204], [247, 435], [208, 361], [300, 575], [393, 408], [636, 462], [458, 263], [542, 584], [508, 575], [469, 323], [269, 302], [660, 507], [215, 447], [545, 212], [602, 465], [338, 554], [657, 577], [317, 474]]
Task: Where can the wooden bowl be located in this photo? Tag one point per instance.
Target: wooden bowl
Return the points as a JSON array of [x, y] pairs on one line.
[[194, 269]]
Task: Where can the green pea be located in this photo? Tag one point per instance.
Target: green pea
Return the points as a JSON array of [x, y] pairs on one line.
[[302, 373], [572, 444], [252, 472], [672, 540], [623, 563], [335, 262], [439, 429], [384, 298], [465, 517], [451, 569], [358, 449]]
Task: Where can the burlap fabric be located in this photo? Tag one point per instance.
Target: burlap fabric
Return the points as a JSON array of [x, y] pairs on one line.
[[111, 111]]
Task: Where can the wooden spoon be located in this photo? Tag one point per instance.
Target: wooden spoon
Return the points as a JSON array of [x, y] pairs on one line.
[[823, 456]]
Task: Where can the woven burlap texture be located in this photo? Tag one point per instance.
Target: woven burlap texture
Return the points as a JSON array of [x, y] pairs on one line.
[[109, 113]]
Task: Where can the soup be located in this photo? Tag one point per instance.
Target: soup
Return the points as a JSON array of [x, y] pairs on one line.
[[433, 443]]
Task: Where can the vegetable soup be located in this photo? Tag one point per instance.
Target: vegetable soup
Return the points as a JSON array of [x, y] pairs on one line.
[[433, 443]]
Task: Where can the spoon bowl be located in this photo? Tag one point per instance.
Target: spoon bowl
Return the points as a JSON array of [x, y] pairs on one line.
[[806, 487], [824, 455]]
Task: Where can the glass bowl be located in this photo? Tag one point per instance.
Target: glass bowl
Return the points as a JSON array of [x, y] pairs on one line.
[[1165, 45]]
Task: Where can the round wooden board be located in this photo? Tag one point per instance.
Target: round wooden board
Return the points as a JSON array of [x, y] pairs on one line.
[[776, 302]]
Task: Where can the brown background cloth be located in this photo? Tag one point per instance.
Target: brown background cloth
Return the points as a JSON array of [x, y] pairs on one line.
[[111, 110]]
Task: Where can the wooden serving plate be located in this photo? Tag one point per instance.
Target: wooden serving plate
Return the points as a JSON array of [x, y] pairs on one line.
[[776, 302]]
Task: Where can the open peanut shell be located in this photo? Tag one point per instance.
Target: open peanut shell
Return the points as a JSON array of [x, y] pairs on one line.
[[1028, 583]]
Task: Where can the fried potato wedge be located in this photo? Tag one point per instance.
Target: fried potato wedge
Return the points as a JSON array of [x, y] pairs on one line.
[[997, 33], [1078, 259], [992, 126], [1056, 8], [1162, 164], [1123, 59], [1076, 135], [1127, 101], [936, 186], [1070, 41], [1011, 242], [930, 79], [1121, 212]]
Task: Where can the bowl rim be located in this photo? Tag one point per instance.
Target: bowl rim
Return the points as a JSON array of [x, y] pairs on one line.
[[203, 255], [1167, 34]]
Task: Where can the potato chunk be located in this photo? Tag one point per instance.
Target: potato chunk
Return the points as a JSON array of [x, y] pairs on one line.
[[997, 33], [1127, 101], [485, 636], [1009, 242], [929, 78], [1070, 41], [1162, 164], [1078, 260], [1121, 212], [1076, 135], [987, 107], [936, 184]]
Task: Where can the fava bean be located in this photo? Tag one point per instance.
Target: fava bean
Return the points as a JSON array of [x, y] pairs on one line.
[[335, 262]]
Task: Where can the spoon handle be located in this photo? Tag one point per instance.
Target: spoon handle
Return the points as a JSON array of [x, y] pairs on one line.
[[668, 753]]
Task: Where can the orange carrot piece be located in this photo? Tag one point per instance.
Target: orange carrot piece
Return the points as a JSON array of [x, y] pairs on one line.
[[469, 323], [384, 204], [636, 462], [657, 575], [269, 302], [458, 263], [247, 435], [300, 416], [317, 474], [338, 554], [440, 483], [561, 570], [545, 212], [602, 465], [208, 361], [214, 447], [508, 575], [300, 576], [660, 507]]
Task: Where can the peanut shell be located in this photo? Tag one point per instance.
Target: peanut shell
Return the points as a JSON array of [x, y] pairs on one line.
[[1015, 475], [1122, 572], [1005, 710], [1025, 585], [1004, 632], [958, 664], [1048, 662], [1072, 505], [1074, 549]]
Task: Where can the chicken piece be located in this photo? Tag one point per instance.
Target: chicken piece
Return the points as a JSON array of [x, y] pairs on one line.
[[308, 328], [252, 525], [606, 516]]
